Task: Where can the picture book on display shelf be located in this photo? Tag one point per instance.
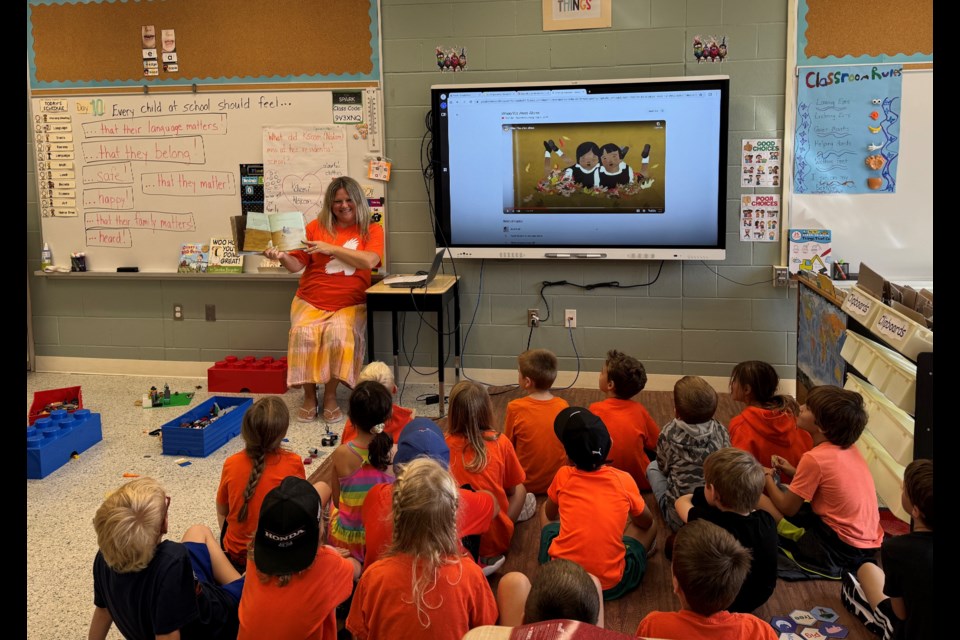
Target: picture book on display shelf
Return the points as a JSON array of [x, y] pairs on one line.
[[194, 257], [223, 257], [285, 229]]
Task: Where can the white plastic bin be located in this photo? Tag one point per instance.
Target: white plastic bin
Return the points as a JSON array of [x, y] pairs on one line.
[[861, 306], [858, 352], [887, 474], [906, 336], [890, 425]]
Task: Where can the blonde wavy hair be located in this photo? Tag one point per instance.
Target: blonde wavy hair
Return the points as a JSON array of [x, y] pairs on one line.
[[352, 187], [425, 499], [380, 372], [129, 524]]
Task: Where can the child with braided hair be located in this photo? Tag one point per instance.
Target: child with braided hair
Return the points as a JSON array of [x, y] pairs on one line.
[[250, 474]]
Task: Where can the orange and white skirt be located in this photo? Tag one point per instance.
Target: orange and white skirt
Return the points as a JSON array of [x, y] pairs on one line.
[[325, 344]]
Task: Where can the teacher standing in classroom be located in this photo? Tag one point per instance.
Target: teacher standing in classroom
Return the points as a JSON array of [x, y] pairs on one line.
[[328, 316]]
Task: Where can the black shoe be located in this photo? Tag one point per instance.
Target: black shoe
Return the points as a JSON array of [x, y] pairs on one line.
[[855, 601], [549, 145], [646, 151], [623, 152]]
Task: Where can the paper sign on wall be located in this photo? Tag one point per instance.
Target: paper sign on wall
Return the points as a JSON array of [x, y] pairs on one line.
[[298, 164]]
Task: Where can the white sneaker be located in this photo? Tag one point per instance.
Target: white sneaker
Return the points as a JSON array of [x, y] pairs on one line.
[[529, 508], [490, 569]]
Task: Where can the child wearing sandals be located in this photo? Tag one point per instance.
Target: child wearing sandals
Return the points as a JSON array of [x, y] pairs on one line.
[[248, 475]]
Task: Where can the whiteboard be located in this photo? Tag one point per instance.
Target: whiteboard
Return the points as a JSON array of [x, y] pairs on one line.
[[128, 178], [892, 233]]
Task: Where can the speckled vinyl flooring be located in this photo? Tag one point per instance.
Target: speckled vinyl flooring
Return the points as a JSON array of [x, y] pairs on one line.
[[61, 542]]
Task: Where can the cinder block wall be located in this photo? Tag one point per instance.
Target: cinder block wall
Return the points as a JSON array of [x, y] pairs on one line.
[[692, 320]]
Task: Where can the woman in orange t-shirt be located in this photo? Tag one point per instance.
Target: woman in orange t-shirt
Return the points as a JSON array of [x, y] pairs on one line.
[[328, 316], [483, 458]]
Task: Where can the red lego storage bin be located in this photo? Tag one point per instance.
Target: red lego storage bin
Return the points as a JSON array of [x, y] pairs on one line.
[[248, 375], [67, 396]]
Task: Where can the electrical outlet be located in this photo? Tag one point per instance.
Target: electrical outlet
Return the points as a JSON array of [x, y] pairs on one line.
[[177, 311], [781, 276], [211, 313], [533, 317], [570, 318]]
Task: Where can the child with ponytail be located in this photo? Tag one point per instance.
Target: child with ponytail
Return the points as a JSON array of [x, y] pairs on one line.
[[422, 587], [359, 465], [482, 457], [767, 426], [249, 475]]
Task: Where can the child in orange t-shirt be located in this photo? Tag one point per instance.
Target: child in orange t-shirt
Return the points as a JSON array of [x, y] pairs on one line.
[[295, 583], [768, 425], [422, 587], [529, 422], [594, 514], [399, 417], [484, 459], [709, 566], [248, 475], [632, 429]]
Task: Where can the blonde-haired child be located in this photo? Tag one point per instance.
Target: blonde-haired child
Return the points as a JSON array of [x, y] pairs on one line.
[[422, 588], [400, 416], [248, 475], [483, 458], [192, 585]]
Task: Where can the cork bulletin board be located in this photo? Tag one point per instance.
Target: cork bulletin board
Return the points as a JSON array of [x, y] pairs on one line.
[[130, 167], [84, 45], [891, 232], [864, 31]]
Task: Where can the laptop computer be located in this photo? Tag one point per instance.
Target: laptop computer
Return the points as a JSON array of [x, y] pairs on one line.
[[413, 281]]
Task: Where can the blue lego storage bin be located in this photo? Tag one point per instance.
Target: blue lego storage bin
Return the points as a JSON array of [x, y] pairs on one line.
[[185, 441], [52, 440]]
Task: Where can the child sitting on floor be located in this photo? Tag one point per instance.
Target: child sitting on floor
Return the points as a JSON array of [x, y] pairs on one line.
[[709, 566], [529, 422], [422, 587], [192, 586], [484, 459], [768, 424], [831, 503], [897, 601], [684, 444], [631, 428], [295, 582], [734, 484], [399, 416], [594, 514]]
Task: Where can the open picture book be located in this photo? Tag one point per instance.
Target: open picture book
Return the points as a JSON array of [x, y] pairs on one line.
[[285, 230]]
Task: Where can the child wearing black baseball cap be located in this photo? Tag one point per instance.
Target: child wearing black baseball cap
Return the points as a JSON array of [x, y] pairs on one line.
[[588, 505], [295, 583]]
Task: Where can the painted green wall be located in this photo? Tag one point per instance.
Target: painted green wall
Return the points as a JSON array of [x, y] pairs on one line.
[[691, 321]]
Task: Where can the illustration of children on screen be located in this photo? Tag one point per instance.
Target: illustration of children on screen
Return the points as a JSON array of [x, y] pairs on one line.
[[586, 172]]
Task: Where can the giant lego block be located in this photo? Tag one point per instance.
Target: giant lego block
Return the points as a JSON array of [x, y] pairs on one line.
[[68, 398], [54, 439], [182, 439], [248, 375]]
